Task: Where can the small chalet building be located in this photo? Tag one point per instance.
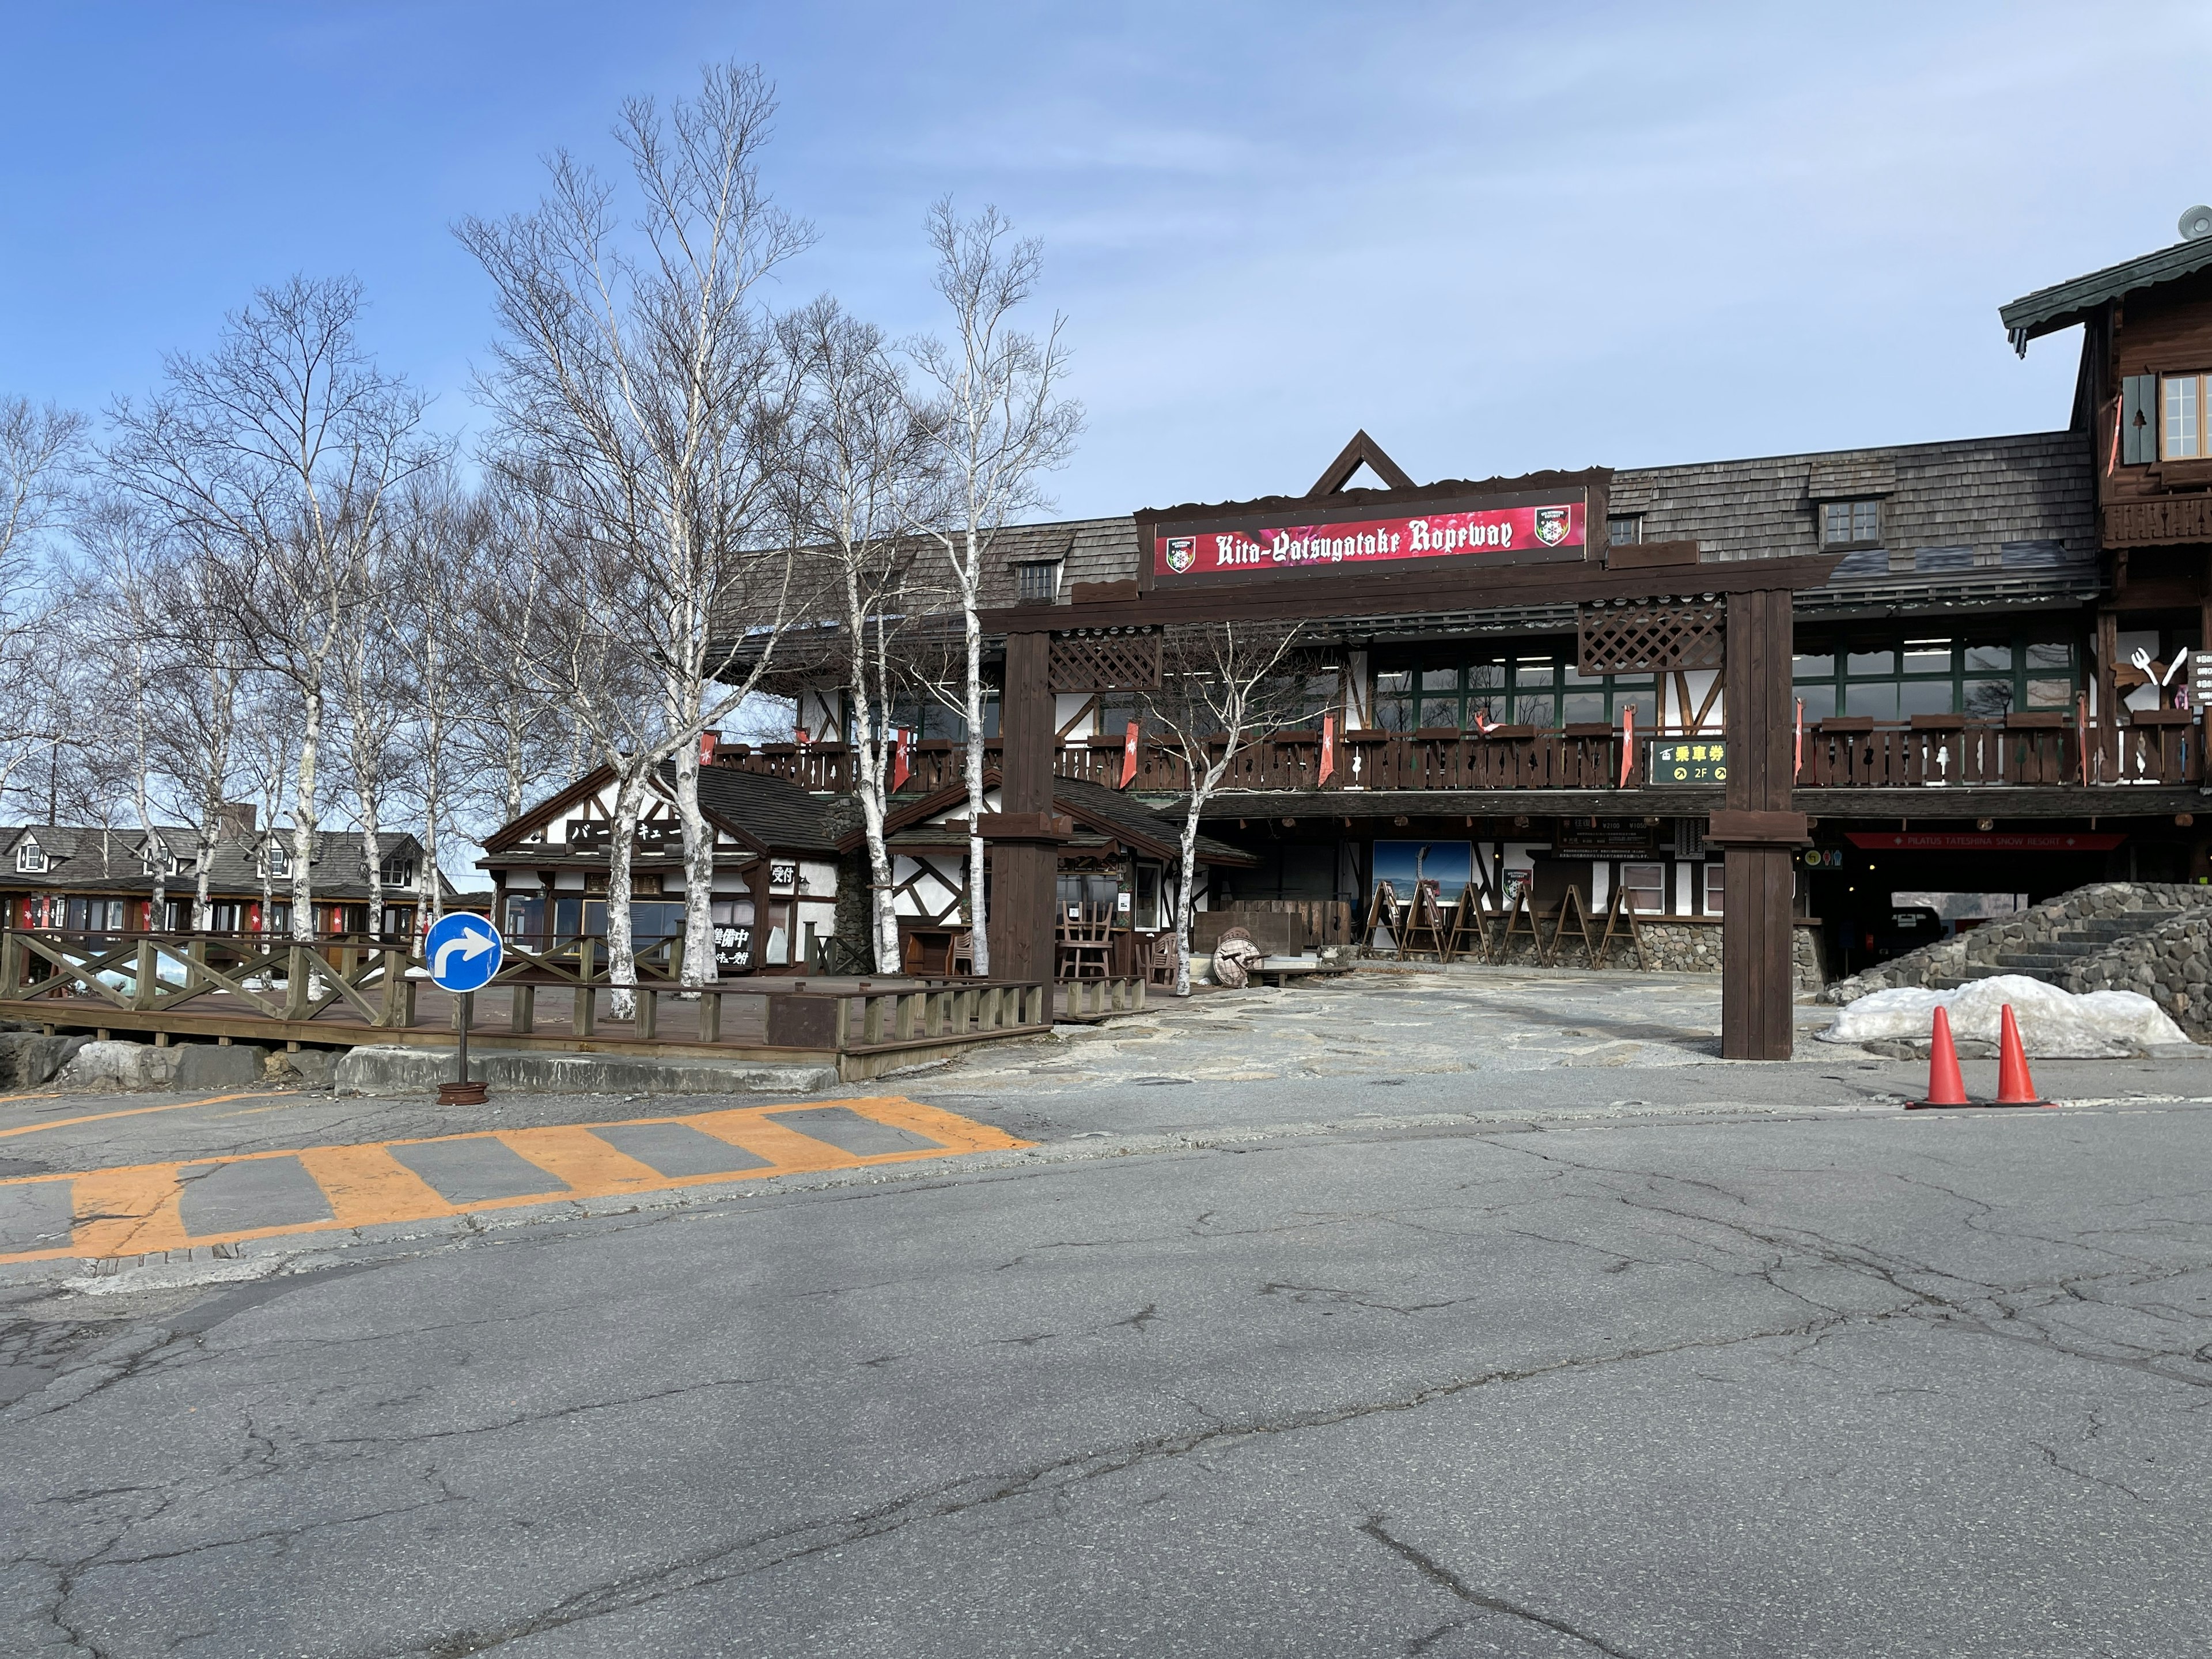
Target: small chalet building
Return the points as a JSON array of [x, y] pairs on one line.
[[775, 868], [1121, 863], [790, 873], [101, 881]]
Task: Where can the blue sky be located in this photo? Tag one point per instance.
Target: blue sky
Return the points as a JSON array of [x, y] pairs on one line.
[[1499, 237]]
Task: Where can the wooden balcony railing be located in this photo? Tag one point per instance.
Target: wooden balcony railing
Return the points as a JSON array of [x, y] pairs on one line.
[[1927, 751]]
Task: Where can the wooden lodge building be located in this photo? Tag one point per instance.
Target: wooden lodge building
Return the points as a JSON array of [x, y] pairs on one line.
[[1989, 687], [101, 881]]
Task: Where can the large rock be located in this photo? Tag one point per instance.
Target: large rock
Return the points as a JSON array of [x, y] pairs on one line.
[[382, 1069], [27, 1060], [2054, 1024], [125, 1067]]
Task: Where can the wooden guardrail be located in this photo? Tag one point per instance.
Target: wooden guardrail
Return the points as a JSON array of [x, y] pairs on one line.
[[2027, 750], [331, 993]]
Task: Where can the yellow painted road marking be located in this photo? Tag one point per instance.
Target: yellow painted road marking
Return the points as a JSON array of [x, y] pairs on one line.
[[134, 1111], [129, 1211], [581, 1159], [137, 1210], [367, 1184]]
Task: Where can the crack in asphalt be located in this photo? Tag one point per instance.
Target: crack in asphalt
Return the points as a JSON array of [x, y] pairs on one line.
[[1051, 1481], [1437, 1573]]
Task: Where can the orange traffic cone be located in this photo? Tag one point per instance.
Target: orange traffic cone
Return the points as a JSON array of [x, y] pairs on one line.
[[1946, 1087], [2015, 1086]]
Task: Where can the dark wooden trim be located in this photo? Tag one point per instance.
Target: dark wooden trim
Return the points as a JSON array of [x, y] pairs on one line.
[[1362, 448], [1376, 593], [1650, 555]]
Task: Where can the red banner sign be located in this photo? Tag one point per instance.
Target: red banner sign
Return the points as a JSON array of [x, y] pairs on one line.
[[1979, 840], [1268, 550]]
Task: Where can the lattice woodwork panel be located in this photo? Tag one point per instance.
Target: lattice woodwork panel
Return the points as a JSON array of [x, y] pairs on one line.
[[1106, 660], [1641, 636]]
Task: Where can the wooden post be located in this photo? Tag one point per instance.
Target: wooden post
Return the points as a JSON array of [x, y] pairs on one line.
[[1758, 830], [1024, 851], [297, 975], [756, 940], [522, 1009]]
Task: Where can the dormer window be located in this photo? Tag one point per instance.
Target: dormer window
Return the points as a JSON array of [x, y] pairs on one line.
[[30, 857], [277, 857], [396, 872], [1624, 529], [1850, 524], [169, 863], [1038, 582]]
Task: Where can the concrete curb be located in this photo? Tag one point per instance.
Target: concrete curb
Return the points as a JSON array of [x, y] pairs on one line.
[[379, 1069]]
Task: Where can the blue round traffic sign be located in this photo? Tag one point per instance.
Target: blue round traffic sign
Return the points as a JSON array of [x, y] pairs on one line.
[[464, 951]]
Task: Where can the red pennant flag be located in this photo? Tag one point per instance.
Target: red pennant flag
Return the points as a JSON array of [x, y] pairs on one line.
[[900, 769], [707, 740], [1327, 746], [1128, 755], [1627, 742], [1797, 764]]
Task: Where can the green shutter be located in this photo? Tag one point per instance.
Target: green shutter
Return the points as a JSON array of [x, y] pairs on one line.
[[2138, 419]]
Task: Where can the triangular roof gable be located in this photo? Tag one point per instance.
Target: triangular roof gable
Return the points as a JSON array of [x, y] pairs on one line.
[[587, 787], [1361, 450]]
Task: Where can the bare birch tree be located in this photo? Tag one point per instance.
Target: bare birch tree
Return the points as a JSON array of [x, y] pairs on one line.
[[201, 699], [862, 475], [642, 377], [998, 422], [1224, 686], [279, 449], [124, 633], [38, 448]]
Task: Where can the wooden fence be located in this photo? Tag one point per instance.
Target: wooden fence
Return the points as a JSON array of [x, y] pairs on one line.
[[175, 985]]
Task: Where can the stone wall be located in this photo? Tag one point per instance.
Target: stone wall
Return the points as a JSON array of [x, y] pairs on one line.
[[2171, 964], [1980, 947], [1674, 945]]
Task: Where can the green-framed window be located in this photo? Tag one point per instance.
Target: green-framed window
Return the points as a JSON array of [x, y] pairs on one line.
[[1894, 673], [1509, 689]]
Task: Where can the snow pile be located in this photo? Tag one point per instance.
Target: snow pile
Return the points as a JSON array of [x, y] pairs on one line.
[[2054, 1024]]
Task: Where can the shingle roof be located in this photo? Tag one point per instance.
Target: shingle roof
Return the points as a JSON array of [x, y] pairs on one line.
[[777, 813], [1992, 496], [2061, 305], [94, 861], [1132, 815]]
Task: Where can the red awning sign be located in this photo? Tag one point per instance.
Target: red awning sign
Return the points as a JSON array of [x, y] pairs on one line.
[[1980, 841]]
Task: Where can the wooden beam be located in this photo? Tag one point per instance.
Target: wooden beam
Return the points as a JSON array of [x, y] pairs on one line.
[[1375, 592]]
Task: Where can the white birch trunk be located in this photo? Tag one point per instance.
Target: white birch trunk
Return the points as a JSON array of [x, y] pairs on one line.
[[978, 918], [698, 873], [622, 954], [303, 821], [1204, 779], [372, 852]]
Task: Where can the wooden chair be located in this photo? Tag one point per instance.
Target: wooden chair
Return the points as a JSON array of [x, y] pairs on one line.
[[1085, 943]]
